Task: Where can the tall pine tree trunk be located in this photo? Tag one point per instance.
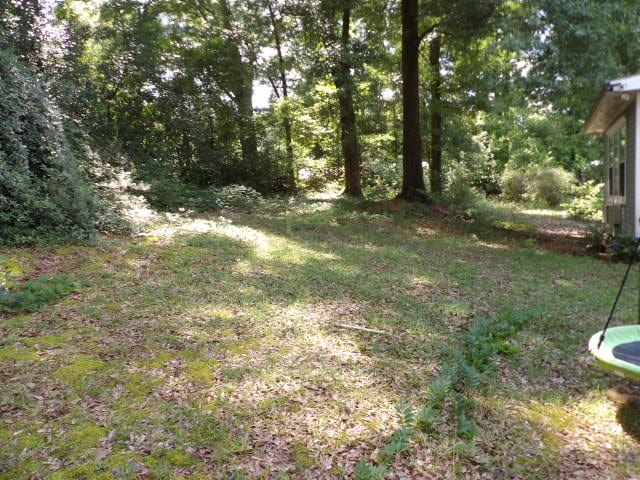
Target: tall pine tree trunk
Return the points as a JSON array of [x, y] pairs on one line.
[[436, 123], [413, 187], [348, 130]]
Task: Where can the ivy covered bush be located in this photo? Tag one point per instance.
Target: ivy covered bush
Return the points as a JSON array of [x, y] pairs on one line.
[[43, 192]]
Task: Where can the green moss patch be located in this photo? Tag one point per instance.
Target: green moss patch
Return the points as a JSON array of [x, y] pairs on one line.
[[93, 471], [178, 458], [139, 385], [80, 373], [24, 468], [48, 341], [18, 354], [201, 372], [81, 439]]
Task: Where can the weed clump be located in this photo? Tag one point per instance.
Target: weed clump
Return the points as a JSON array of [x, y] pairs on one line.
[[35, 294], [450, 402]]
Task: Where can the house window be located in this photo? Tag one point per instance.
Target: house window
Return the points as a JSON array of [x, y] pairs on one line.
[[616, 158], [612, 179]]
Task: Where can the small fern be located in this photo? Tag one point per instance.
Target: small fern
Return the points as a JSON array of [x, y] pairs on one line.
[[429, 419], [465, 428], [366, 471], [439, 390]]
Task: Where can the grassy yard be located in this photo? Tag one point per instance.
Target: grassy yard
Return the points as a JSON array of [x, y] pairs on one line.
[[225, 347]]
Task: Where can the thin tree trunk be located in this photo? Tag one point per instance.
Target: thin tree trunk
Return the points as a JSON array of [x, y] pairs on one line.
[[348, 129], [248, 140], [413, 187], [286, 119], [436, 123]]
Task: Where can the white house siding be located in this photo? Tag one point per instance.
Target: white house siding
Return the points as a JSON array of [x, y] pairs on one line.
[[634, 149], [628, 222]]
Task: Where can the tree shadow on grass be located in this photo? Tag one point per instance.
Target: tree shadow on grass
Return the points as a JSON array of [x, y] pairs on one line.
[[628, 417], [263, 296]]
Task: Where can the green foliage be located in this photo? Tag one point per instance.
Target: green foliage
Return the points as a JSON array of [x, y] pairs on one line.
[[172, 195], [550, 185], [366, 471], [439, 390], [513, 184], [449, 395], [623, 248], [32, 295], [463, 372], [429, 419], [381, 177], [587, 201], [459, 193], [465, 428], [400, 440], [42, 189], [543, 184], [240, 197]]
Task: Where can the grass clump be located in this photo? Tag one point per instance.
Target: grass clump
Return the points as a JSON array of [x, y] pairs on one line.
[[35, 294]]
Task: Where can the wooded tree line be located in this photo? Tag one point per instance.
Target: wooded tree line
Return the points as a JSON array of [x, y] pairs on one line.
[[370, 94]]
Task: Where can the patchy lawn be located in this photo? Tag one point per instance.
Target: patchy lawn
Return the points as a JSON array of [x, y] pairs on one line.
[[236, 347]]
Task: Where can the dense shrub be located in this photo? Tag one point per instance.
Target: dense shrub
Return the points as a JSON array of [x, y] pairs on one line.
[[623, 248], [240, 197], [550, 185], [42, 189], [513, 184], [169, 194], [172, 195], [542, 184], [381, 177], [587, 201], [459, 193]]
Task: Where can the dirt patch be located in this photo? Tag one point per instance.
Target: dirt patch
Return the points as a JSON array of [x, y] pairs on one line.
[[554, 234]]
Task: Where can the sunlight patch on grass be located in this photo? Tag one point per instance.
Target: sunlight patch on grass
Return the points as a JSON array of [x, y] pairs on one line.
[[492, 246], [544, 212], [426, 231], [221, 346]]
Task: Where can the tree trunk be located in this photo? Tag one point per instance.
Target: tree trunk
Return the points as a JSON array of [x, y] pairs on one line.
[[436, 124], [242, 90], [348, 130], [243, 93], [286, 117], [413, 187]]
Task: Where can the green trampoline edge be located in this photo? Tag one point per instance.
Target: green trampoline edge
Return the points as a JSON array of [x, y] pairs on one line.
[[604, 354]]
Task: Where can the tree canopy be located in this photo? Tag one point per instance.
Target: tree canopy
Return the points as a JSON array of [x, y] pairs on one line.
[[382, 98]]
